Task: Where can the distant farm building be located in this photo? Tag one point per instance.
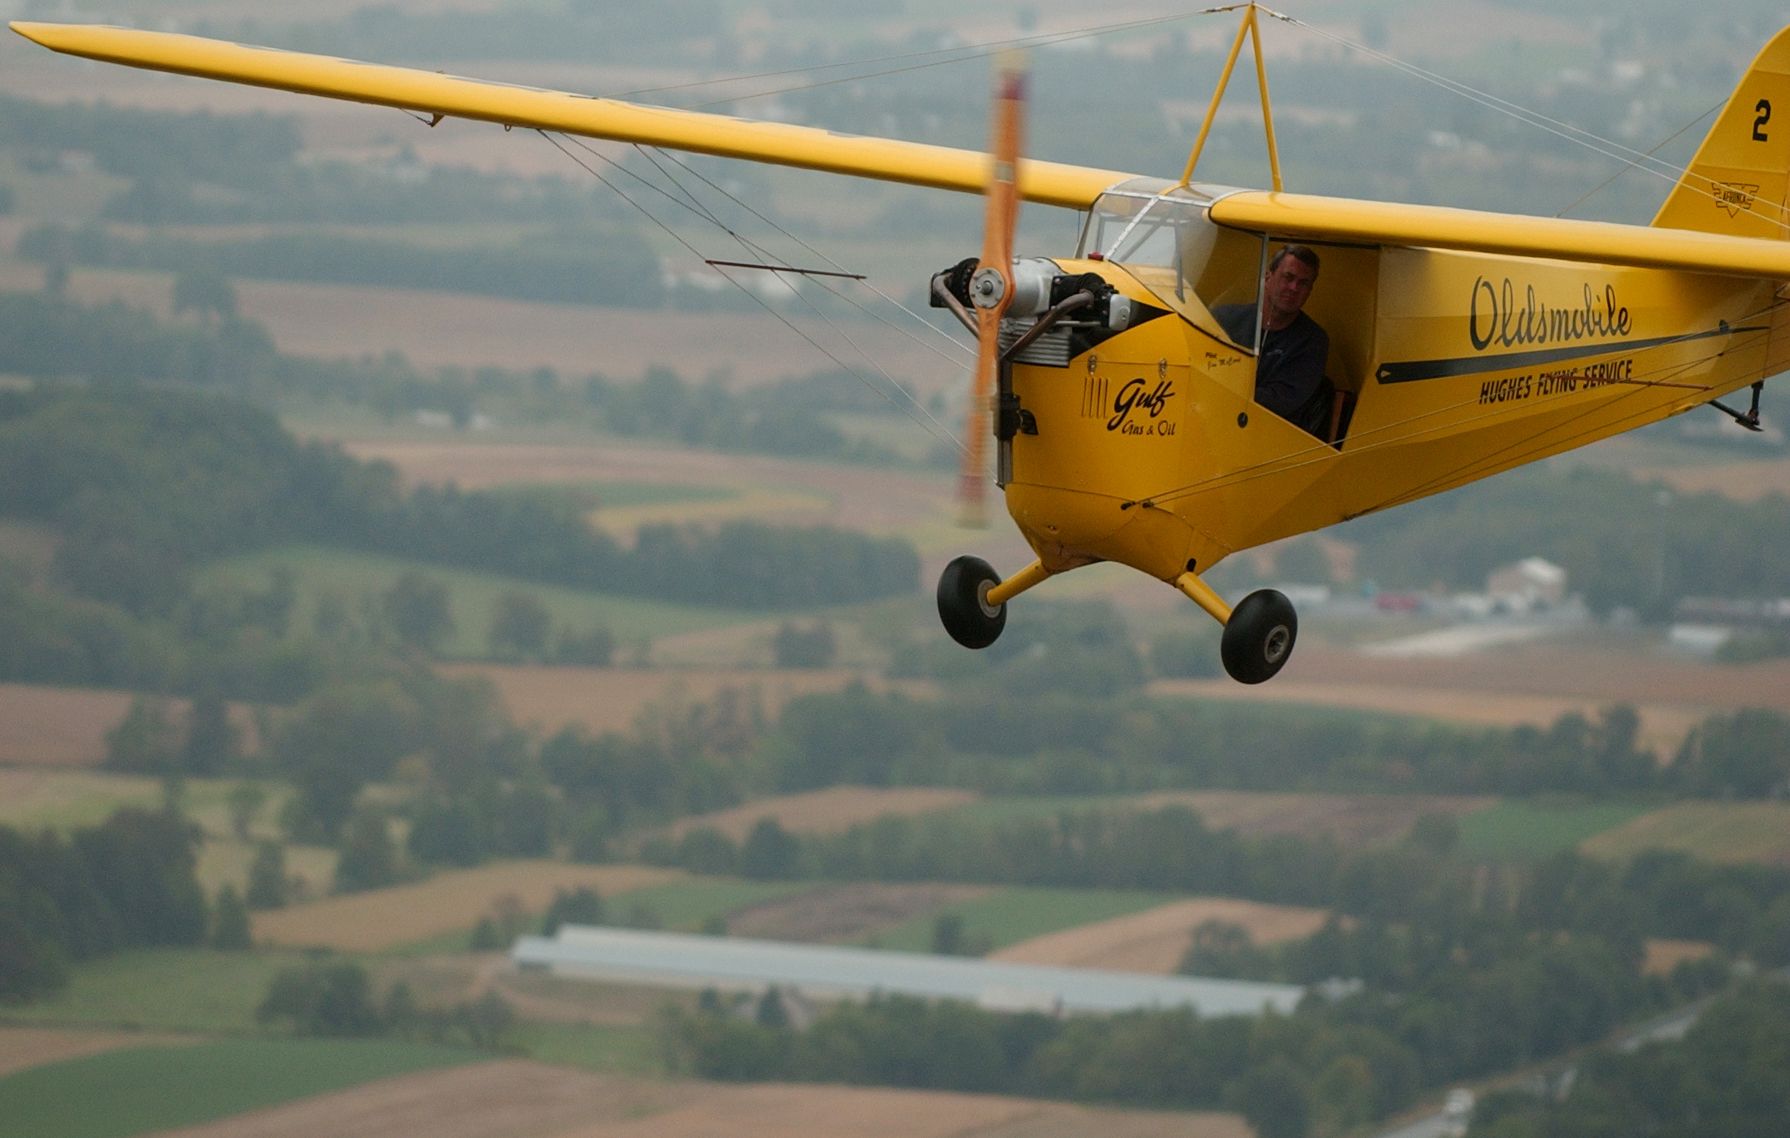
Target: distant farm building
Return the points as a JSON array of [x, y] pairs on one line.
[[679, 960], [1529, 584]]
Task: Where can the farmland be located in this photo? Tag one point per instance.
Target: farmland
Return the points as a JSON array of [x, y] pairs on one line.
[[370, 922], [355, 1090], [172, 1034]]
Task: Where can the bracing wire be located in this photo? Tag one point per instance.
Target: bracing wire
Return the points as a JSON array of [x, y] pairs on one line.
[[1646, 162], [685, 200], [961, 53]]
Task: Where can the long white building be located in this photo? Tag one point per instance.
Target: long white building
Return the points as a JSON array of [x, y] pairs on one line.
[[681, 960]]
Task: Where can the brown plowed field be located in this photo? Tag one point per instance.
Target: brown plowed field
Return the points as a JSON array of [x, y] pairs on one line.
[[846, 913], [44, 726], [1665, 955], [1156, 939], [859, 497], [57, 727], [1524, 684], [829, 811], [384, 918], [781, 1111], [519, 1099], [25, 1047], [612, 699], [1353, 820]]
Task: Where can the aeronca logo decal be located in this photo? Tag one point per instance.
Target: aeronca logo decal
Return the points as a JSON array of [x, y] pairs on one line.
[[1499, 316], [1734, 196]]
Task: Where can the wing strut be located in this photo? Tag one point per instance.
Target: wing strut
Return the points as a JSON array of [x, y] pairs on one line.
[[1252, 31]]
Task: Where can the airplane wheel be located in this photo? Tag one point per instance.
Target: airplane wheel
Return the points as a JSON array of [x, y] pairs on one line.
[[963, 603], [1259, 638]]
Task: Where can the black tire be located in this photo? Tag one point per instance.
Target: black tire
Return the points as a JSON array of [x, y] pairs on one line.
[[967, 615], [1259, 638]]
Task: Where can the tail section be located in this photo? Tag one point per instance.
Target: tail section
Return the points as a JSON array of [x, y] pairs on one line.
[[1740, 179]]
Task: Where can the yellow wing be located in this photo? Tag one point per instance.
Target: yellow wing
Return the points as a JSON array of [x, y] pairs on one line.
[[1310, 218], [1282, 215], [429, 92]]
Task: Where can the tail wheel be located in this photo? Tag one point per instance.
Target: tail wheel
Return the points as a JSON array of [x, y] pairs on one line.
[[1258, 639], [963, 602]]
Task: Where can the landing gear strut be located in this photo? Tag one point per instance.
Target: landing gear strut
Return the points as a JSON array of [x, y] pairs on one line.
[[1258, 634]]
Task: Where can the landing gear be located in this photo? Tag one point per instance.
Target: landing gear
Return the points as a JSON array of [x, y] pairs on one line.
[[964, 606], [1259, 636]]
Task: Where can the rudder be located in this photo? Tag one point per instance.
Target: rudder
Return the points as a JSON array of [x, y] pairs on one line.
[[1739, 181]]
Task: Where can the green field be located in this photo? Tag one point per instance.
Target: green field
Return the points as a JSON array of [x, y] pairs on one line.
[[1711, 831], [158, 1088], [1517, 831], [686, 905], [473, 596], [162, 989], [68, 800], [1012, 915], [683, 906], [628, 1049]]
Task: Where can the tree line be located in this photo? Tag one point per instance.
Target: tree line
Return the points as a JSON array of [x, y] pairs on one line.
[[1007, 738], [1325, 1069], [1455, 974], [1624, 543], [46, 335], [1729, 1074], [1461, 907], [126, 883], [145, 484], [614, 268]]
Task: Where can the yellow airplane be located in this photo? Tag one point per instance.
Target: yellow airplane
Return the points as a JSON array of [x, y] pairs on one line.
[[1141, 406]]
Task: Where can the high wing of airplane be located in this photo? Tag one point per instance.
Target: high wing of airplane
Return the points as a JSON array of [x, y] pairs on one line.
[[1137, 386]]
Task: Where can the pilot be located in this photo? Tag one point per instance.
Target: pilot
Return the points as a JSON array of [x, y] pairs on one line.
[[1289, 373]]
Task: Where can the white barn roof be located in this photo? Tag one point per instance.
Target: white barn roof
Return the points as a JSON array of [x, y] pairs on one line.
[[682, 960]]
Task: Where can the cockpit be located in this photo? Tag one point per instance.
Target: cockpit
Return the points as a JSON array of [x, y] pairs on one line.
[[1161, 234]]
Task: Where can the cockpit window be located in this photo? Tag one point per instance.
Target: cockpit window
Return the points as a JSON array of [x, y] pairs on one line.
[[1167, 241]]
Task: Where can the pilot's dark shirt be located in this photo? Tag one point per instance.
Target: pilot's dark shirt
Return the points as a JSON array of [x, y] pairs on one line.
[[1291, 366]]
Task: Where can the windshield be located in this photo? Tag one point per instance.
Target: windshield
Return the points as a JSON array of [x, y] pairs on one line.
[[1168, 243]]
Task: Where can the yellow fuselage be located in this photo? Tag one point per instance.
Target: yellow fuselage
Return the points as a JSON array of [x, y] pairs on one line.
[[1150, 449]]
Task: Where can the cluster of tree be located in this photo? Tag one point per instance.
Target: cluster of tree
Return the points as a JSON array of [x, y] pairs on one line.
[[336, 998], [208, 168], [47, 335], [128, 882], [610, 268], [1729, 1074], [788, 418], [1045, 725], [49, 637], [1465, 975], [143, 484], [136, 143], [1455, 910], [149, 741], [1624, 544], [399, 191], [1326, 1069]]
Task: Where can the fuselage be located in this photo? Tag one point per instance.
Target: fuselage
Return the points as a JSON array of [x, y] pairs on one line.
[[1146, 445]]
